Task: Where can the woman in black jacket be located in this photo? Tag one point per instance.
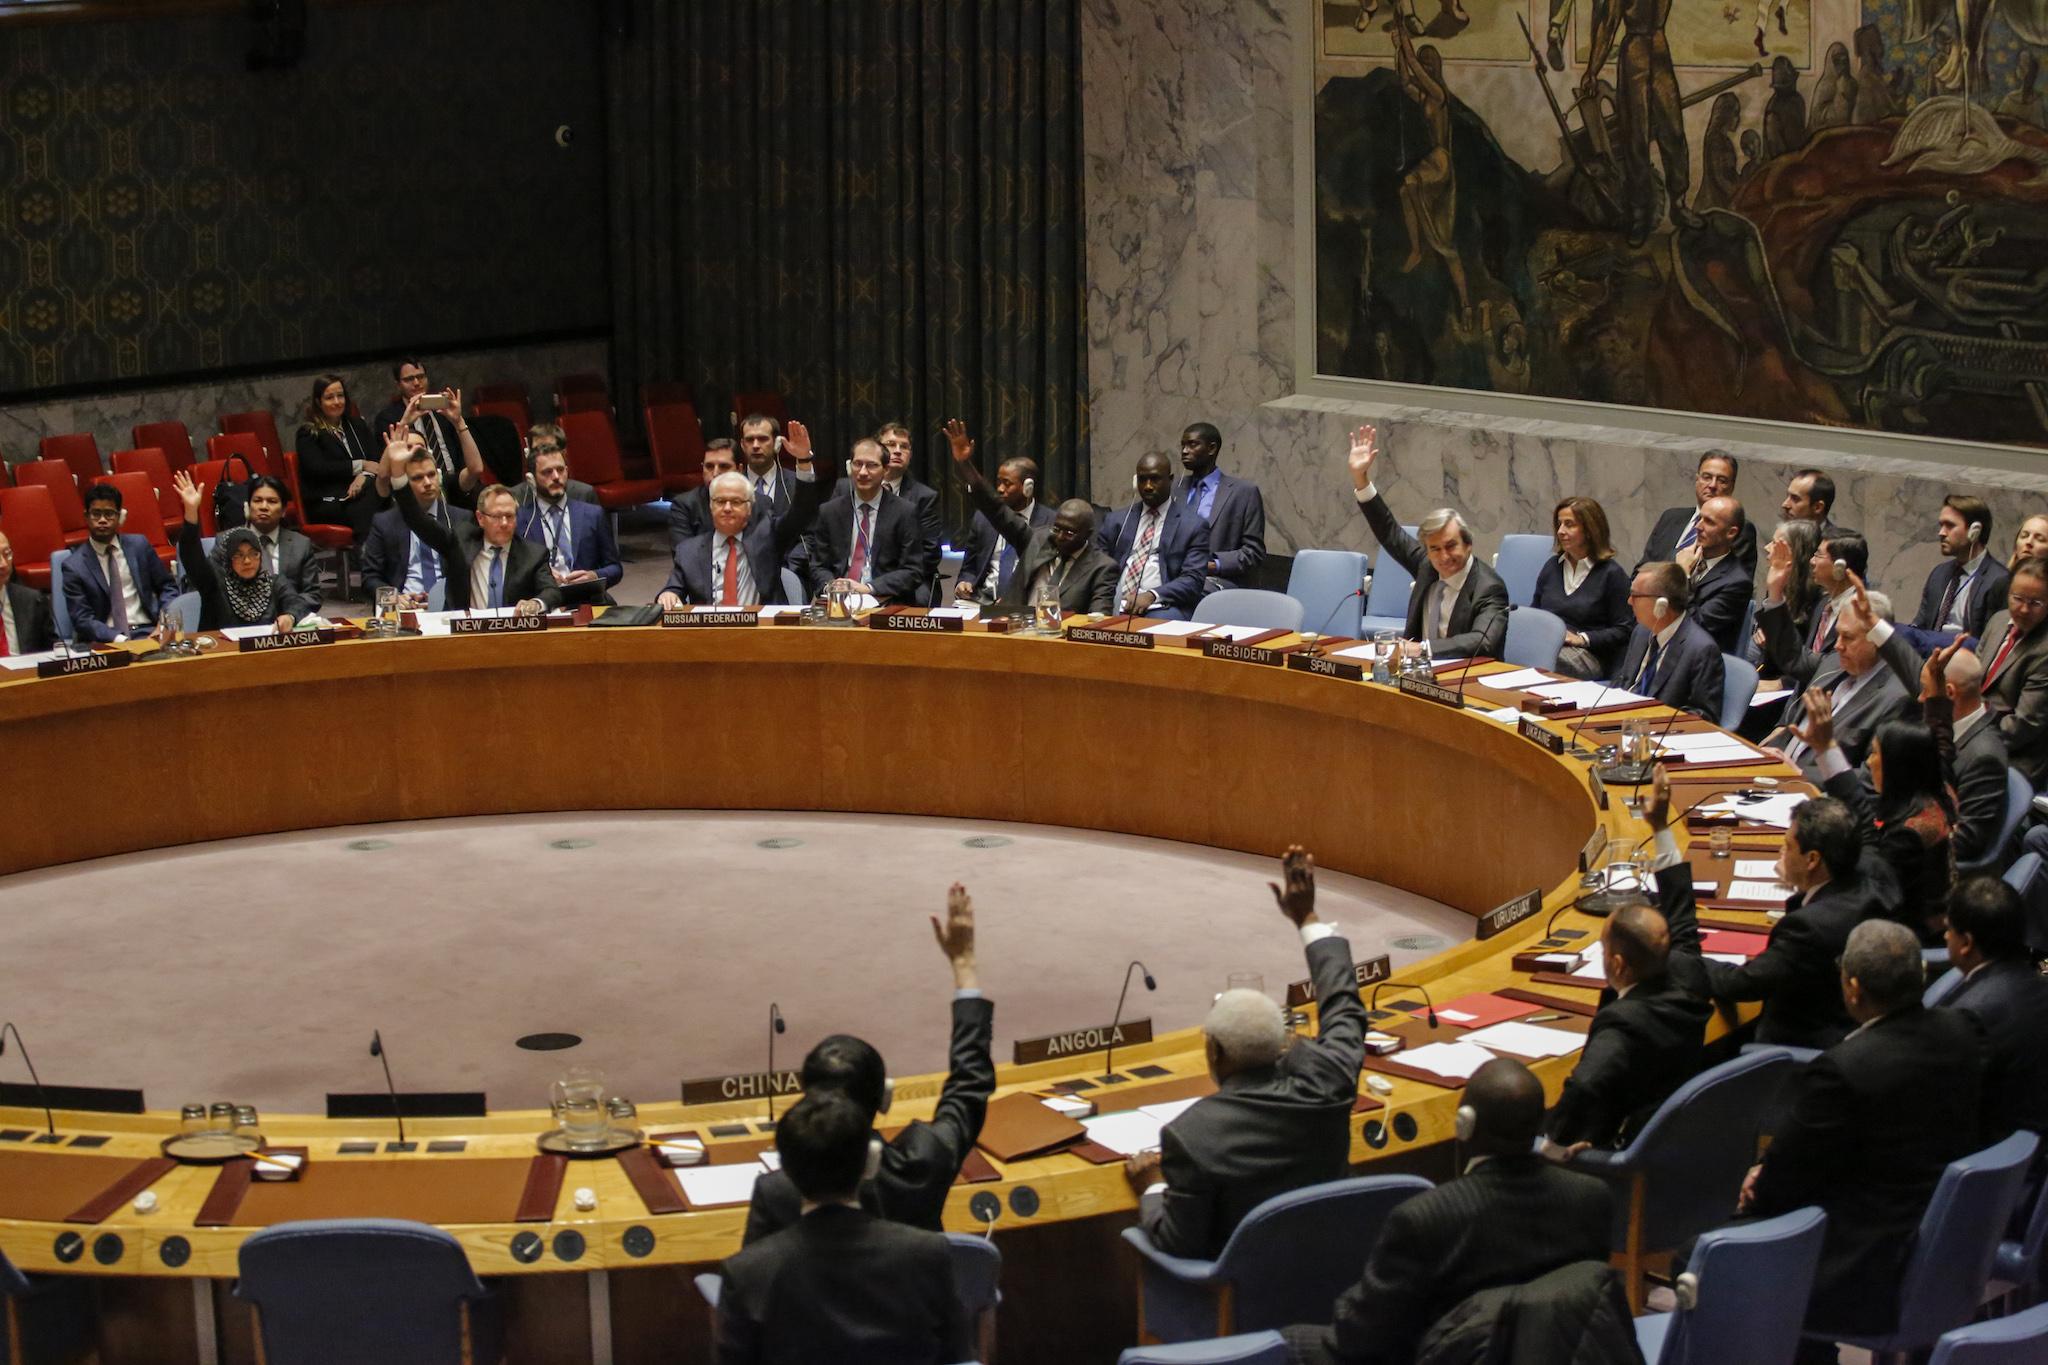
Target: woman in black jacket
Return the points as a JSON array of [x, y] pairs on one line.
[[1587, 587], [234, 587], [338, 460]]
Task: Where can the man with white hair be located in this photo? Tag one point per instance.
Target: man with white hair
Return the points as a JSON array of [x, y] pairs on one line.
[[1952, 703], [738, 562], [1459, 604], [1867, 683], [1281, 1116]]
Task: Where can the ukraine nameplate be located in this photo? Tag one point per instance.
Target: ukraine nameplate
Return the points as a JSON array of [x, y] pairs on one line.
[[494, 625], [84, 663], [736, 617], [1429, 691], [286, 639], [1508, 914], [1127, 639], [1536, 734], [1053, 1046]]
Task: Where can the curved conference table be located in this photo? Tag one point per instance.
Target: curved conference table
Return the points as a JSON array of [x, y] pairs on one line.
[[1444, 802]]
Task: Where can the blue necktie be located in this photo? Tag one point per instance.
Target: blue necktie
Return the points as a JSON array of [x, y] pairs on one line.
[[561, 555], [1004, 565], [1646, 679], [497, 577], [428, 567]]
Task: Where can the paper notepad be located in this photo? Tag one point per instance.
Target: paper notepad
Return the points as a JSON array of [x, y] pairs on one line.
[[18, 662], [1166, 1113], [711, 1186], [1238, 632], [1506, 715], [964, 613], [1769, 892], [1127, 1133], [1756, 869], [1455, 1061], [1518, 681], [1526, 1040], [1595, 966], [1766, 695], [1363, 653], [1175, 628], [1589, 694]]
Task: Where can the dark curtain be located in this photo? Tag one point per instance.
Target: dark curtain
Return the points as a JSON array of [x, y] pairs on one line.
[[870, 206]]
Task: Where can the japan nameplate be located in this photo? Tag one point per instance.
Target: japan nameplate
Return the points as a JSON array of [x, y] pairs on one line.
[[84, 663]]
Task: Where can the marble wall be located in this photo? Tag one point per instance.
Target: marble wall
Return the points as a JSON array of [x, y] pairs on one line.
[[1191, 109], [109, 417]]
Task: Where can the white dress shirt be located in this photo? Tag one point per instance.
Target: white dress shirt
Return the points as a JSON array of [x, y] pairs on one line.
[[1575, 571], [480, 578]]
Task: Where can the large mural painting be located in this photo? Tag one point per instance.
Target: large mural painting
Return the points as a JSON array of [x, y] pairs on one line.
[[1821, 211]]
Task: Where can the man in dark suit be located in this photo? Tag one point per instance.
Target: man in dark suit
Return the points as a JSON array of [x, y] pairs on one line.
[[1968, 585], [286, 553], [990, 560], [1646, 1040], [26, 625], [1952, 704], [1459, 604], [917, 1167], [1987, 944], [576, 537], [2015, 649], [738, 562], [1064, 551], [760, 447], [441, 432], [1877, 1119], [1810, 496], [840, 1284], [115, 586], [393, 559], [868, 538], [1669, 657], [1867, 685], [1233, 507], [1678, 528], [1789, 653], [689, 514], [1161, 549], [1721, 585], [1834, 889], [901, 483], [1510, 1218], [1281, 1116], [488, 565]]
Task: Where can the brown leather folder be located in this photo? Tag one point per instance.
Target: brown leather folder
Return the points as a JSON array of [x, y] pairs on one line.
[[1018, 1126], [657, 1189]]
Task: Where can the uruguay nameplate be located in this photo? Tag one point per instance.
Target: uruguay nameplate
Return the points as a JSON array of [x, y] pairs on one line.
[[494, 625], [751, 1085], [1241, 653], [1307, 662], [1509, 913], [1128, 639], [1054, 1046], [736, 617], [1537, 734], [286, 639], [911, 620], [1368, 972], [1431, 691], [84, 663]]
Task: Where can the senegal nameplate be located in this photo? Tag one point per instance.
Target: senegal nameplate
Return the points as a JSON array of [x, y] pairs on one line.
[[1306, 662], [913, 620], [494, 625], [736, 617], [1368, 972], [1242, 653], [84, 663], [752, 1085], [288, 639], [1508, 914], [1537, 734], [1429, 691], [1092, 635], [1053, 1046]]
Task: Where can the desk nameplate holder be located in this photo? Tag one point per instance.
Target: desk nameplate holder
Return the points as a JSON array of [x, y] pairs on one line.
[[1540, 736], [1433, 692], [1309, 661], [495, 625], [1053, 1047], [910, 618], [84, 663], [1097, 635], [1508, 914], [290, 639], [749, 1085], [1370, 972], [738, 616], [1239, 652]]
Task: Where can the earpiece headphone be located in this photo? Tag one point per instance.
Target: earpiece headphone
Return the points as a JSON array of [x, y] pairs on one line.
[[888, 1094], [1465, 1124], [1134, 483], [1976, 532], [1662, 606], [1030, 487], [874, 1161]]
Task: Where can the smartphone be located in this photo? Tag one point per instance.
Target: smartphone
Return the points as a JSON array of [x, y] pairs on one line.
[[433, 402]]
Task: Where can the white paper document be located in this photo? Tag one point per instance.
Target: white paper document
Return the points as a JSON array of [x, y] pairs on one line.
[[1732, 959], [964, 613], [769, 612], [1756, 891], [1456, 1061], [1595, 966], [1507, 715], [1757, 869], [1526, 1040], [1775, 811], [1127, 1133], [1519, 680], [1362, 653], [1176, 628], [771, 1160], [1588, 694], [246, 632], [1766, 695], [1238, 632], [18, 662], [710, 1186], [1166, 1113]]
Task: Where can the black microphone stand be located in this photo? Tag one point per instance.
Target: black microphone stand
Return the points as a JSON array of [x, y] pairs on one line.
[[1109, 1076]]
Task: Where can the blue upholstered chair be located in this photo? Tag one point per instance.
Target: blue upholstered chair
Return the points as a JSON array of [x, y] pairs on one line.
[[1252, 1348], [2029, 876], [1939, 989], [1287, 1262], [2016, 1269], [45, 1317], [1953, 1253], [1323, 581], [1680, 1175], [1386, 606], [1249, 607], [2021, 1339], [793, 588], [2019, 799], [1738, 689], [710, 1284], [1534, 638], [1520, 559], [341, 1291], [977, 1278], [184, 611], [60, 614], [1742, 1296]]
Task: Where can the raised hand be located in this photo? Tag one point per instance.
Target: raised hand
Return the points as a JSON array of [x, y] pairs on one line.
[[963, 447], [956, 937], [189, 494], [797, 441], [453, 412], [1297, 897], [1934, 673], [1859, 603], [397, 445], [1657, 809], [1778, 576], [1365, 449], [1819, 728]]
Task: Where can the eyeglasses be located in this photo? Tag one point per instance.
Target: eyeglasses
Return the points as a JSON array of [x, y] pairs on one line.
[[733, 502], [419, 378], [2030, 603]]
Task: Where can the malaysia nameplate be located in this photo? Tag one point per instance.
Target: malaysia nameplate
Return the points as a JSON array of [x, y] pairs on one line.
[[738, 616], [285, 639], [1369, 972], [1307, 661], [494, 625], [1430, 691], [1537, 734], [749, 1085], [84, 663], [913, 620], [1094, 635], [1508, 914], [1242, 653], [1073, 1043]]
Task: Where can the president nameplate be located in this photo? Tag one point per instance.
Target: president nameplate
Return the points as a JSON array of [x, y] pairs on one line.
[[1508, 914], [1055, 1046], [1436, 692], [1241, 653], [1369, 972]]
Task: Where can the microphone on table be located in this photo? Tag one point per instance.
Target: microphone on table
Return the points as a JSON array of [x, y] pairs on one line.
[[1605, 685], [1321, 644], [775, 1026], [1109, 1061], [377, 1051], [42, 1096], [1429, 1006]]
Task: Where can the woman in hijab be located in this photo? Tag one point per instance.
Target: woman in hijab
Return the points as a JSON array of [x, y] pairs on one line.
[[234, 587]]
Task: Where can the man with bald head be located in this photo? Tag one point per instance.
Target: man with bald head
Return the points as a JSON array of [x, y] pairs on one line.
[[738, 562], [1459, 604], [26, 624], [1160, 547], [1508, 1219], [1281, 1115], [1062, 553], [1952, 705], [1721, 587]]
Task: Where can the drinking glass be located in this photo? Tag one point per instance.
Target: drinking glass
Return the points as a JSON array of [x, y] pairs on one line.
[[1385, 644], [387, 608], [246, 1123], [1245, 981], [192, 1119], [1721, 840], [220, 1117], [1045, 607], [579, 1103], [1624, 873]]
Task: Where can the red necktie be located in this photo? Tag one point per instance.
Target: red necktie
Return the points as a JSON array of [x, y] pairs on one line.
[[729, 594], [2011, 638], [858, 570]]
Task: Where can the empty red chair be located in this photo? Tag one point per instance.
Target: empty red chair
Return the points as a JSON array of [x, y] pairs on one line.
[[56, 478], [227, 445], [138, 501], [263, 427], [29, 518], [504, 396], [677, 442], [657, 393], [154, 466], [515, 413], [594, 458], [581, 400], [169, 437], [6, 473], [760, 403], [80, 452], [206, 474]]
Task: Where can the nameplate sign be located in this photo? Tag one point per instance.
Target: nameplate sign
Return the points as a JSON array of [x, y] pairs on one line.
[[752, 1085], [288, 639], [1091, 635], [1596, 844], [1599, 788], [1241, 653], [1346, 669], [84, 663], [1507, 915], [1430, 691], [735, 617], [494, 625], [1536, 734], [1053, 1046], [910, 620], [1369, 972]]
